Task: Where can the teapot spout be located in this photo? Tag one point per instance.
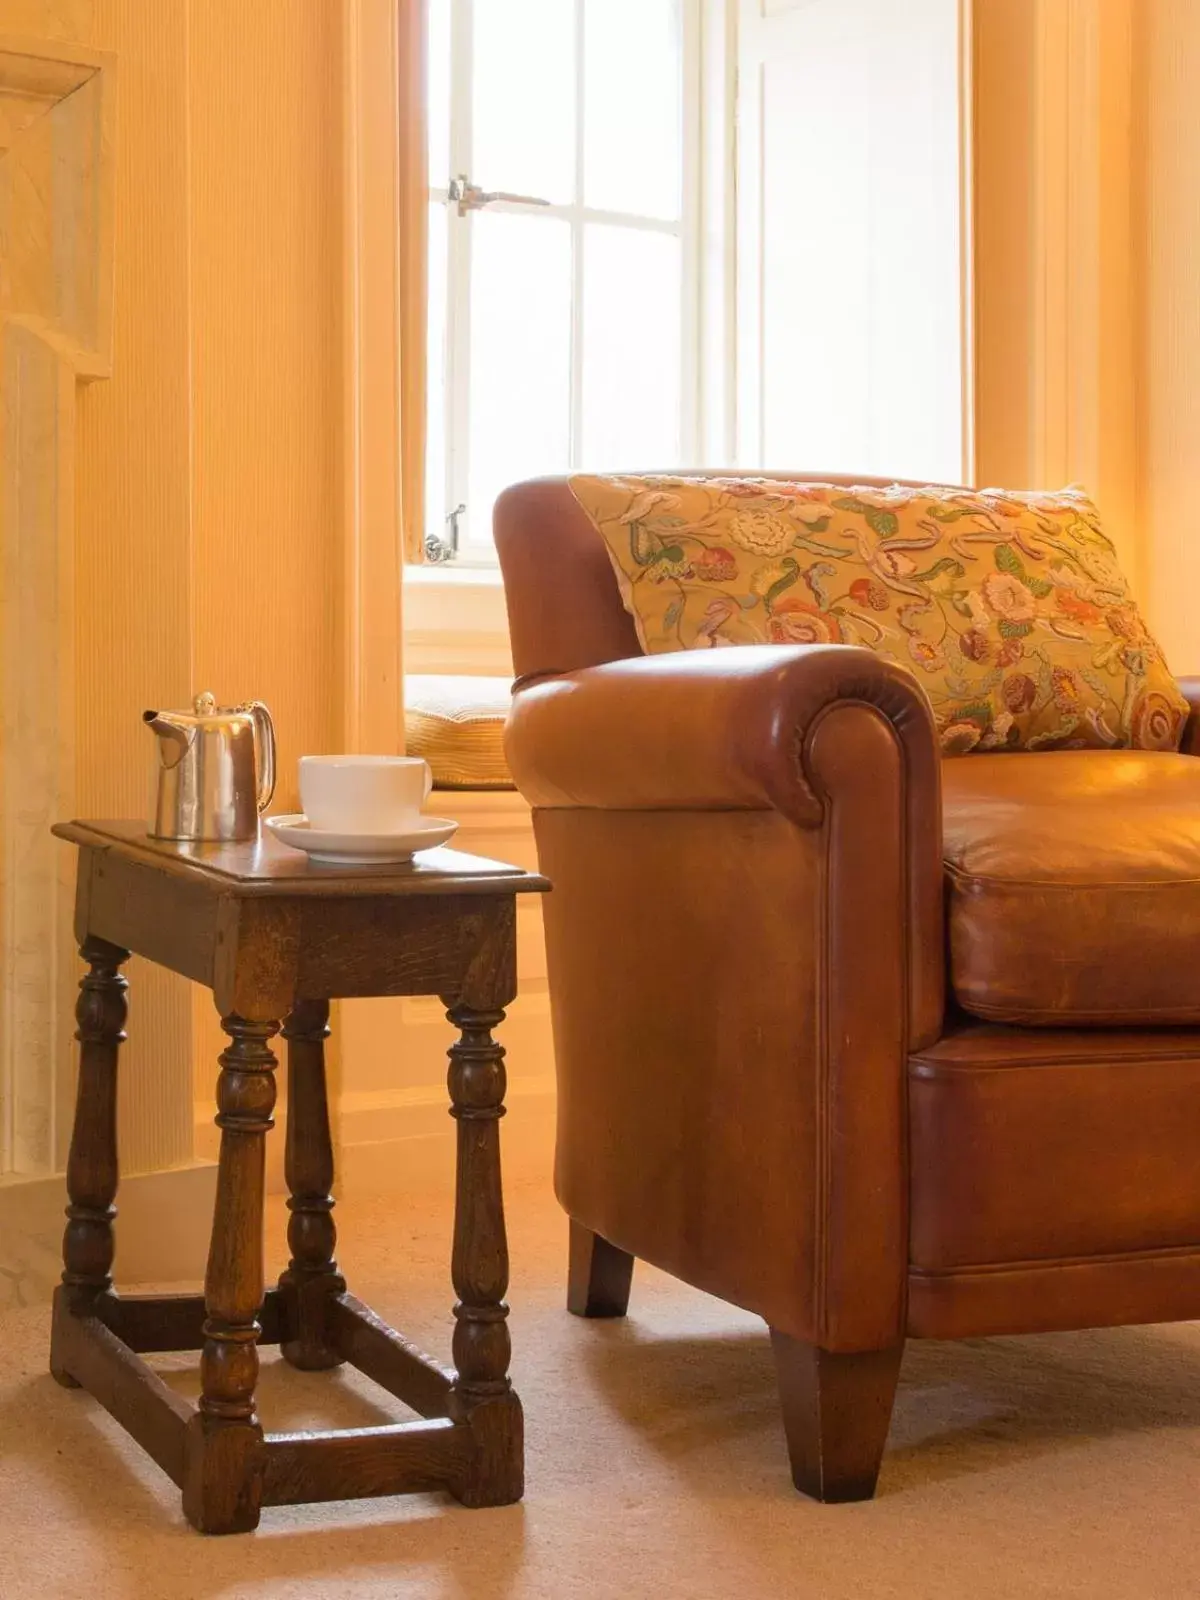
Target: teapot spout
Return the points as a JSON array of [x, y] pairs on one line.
[[174, 740]]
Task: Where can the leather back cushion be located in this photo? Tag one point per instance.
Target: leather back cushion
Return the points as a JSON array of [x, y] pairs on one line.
[[1010, 608]]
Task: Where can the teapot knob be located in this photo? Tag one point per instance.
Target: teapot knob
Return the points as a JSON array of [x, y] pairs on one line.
[[205, 705]]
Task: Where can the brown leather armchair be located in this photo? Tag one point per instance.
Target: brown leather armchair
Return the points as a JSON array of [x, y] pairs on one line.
[[872, 1045]]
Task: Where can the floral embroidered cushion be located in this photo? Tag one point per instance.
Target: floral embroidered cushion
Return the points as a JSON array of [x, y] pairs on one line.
[[1010, 608]]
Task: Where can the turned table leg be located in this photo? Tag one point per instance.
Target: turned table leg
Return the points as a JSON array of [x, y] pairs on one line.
[[222, 1489], [312, 1278], [482, 1394], [92, 1169]]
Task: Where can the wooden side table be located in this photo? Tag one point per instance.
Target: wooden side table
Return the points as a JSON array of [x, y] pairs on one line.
[[276, 938]]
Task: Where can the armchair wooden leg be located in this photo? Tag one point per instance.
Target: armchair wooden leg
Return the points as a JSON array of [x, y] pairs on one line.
[[599, 1275], [836, 1412]]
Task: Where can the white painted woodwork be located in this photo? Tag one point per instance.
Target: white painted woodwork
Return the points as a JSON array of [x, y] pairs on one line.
[[55, 331], [853, 238]]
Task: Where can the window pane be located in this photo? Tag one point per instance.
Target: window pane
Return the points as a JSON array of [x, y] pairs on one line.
[[523, 133], [520, 356], [632, 106], [438, 90], [435, 386], [631, 356]]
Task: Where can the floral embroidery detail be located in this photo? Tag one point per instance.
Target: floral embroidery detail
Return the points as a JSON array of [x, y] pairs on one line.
[[763, 533], [1065, 689], [1126, 623], [1019, 692], [1080, 611], [1101, 567], [1155, 722], [714, 619], [666, 569], [1008, 598], [794, 622], [894, 564], [716, 565], [1009, 609], [765, 579], [868, 592], [925, 654]]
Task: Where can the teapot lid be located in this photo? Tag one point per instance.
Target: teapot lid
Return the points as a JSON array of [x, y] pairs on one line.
[[204, 708]]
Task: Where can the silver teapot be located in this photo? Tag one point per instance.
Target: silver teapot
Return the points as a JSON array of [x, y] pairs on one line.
[[216, 770]]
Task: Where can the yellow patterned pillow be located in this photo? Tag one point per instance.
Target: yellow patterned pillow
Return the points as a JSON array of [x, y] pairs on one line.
[[1010, 608]]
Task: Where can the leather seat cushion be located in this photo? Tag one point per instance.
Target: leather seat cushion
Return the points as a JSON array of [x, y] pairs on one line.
[[1030, 1145], [1073, 882]]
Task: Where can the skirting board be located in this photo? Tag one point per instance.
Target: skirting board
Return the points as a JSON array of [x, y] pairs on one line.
[[163, 1225], [407, 1139]]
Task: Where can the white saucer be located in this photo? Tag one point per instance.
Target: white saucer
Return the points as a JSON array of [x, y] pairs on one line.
[[360, 849]]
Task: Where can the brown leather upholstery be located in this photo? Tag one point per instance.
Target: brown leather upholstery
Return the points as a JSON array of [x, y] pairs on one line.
[[1074, 887], [1055, 1296], [982, 1098], [715, 854], [760, 1088], [564, 608], [1190, 689], [1041, 1149]]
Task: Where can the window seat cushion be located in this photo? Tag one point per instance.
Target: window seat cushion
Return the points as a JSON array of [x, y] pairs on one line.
[[457, 725]]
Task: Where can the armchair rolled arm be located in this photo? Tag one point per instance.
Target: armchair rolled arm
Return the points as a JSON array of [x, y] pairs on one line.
[[795, 874], [712, 730]]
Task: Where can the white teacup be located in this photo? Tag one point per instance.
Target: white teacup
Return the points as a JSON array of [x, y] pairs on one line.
[[363, 794]]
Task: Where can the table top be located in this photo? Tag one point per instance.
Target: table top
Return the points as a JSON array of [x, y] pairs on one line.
[[265, 867]]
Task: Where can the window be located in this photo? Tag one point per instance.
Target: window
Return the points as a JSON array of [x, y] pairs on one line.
[[562, 247]]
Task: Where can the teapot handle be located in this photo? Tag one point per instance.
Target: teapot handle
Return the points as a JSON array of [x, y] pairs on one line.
[[264, 751]]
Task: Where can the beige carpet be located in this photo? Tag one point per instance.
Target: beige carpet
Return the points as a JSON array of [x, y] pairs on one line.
[[1059, 1466]]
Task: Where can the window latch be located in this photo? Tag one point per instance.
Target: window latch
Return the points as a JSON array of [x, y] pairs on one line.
[[438, 549], [468, 196]]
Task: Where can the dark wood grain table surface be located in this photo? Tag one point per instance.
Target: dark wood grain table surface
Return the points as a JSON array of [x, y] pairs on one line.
[[276, 938]]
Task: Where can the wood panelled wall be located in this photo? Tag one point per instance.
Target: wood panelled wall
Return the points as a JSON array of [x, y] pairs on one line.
[[266, 293], [1056, 297], [267, 497], [1167, 79], [1087, 169], [209, 483]]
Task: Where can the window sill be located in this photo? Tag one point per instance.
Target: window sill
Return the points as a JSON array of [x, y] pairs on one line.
[[455, 620], [453, 575]]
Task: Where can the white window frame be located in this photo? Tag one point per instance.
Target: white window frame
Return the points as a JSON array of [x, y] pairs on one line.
[[476, 549]]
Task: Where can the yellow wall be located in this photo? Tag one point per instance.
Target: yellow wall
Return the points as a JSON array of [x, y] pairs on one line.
[[209, 467], [1168, 153]]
